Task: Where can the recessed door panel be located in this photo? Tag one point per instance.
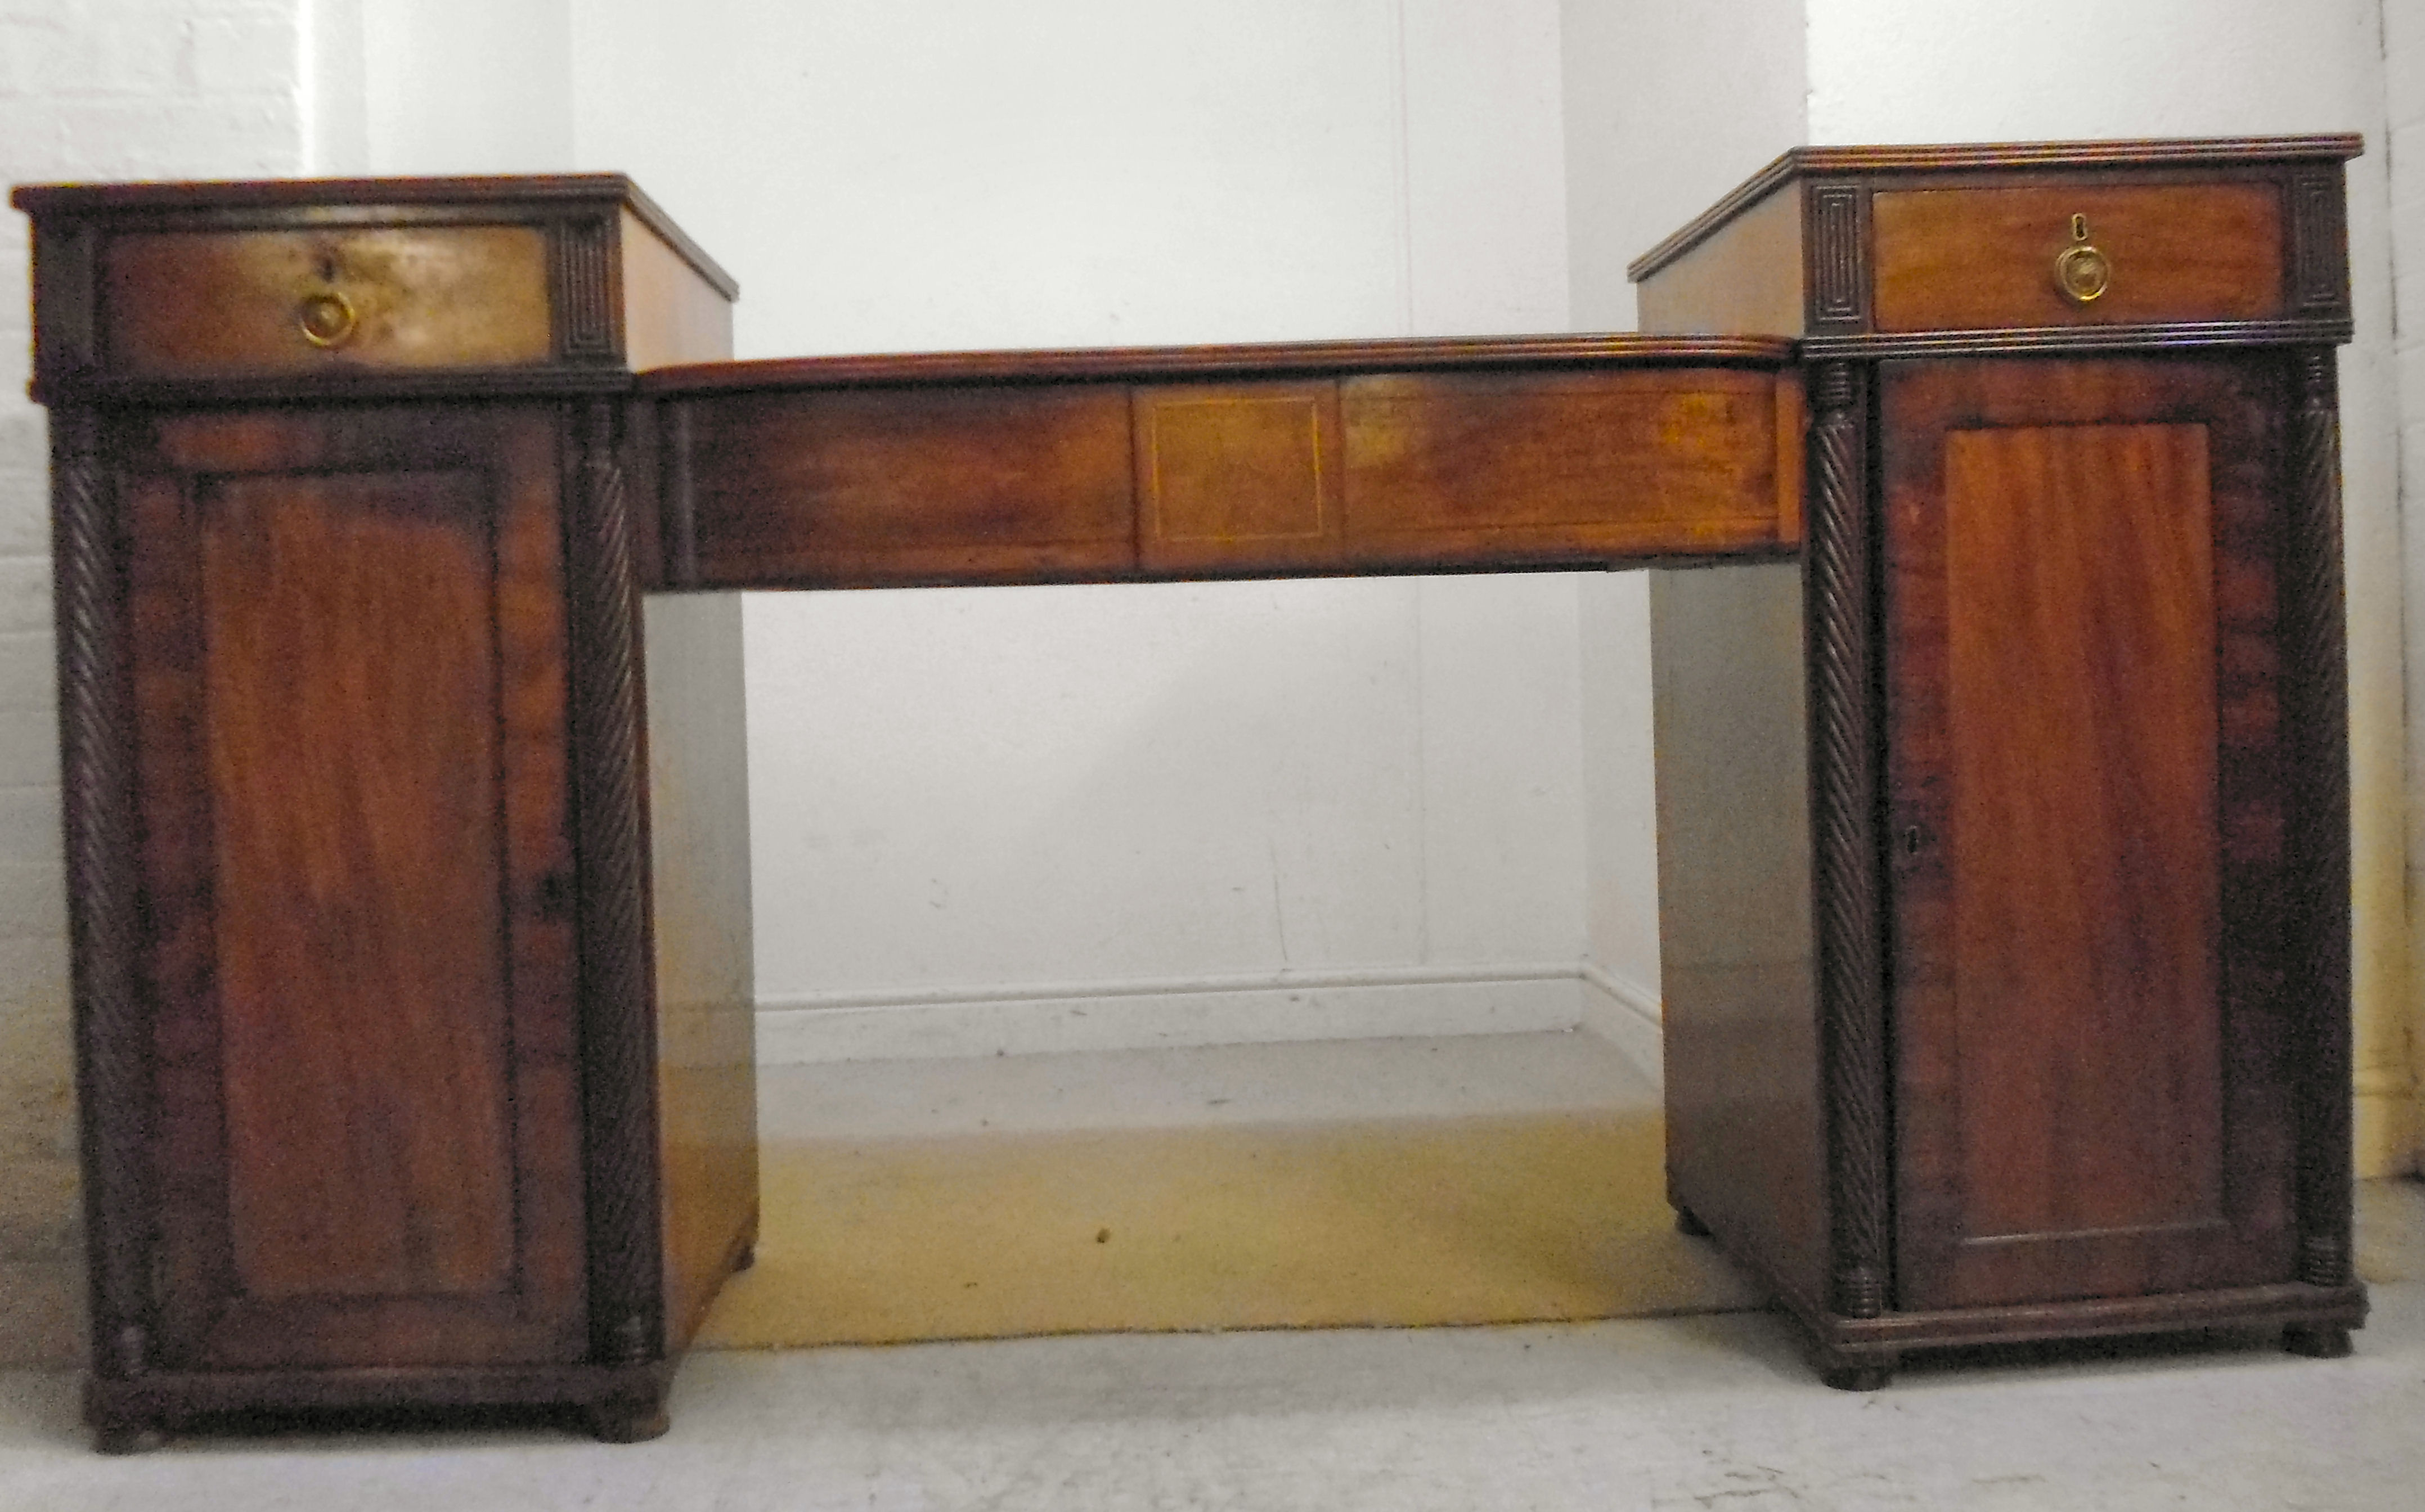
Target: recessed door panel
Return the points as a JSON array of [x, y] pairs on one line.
[[350, 642], [2080, 605], [2080, 634], [350, 677]]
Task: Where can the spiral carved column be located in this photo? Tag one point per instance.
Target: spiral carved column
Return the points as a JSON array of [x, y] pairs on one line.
[[97, 779], [2316, 718], [1843, 789], [619, 1032]]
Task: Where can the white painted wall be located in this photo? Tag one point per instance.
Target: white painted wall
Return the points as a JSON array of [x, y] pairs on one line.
[[982, 795], [1718, 102], [453, 85], [88, 89], [2403, 55], [1920, 70]]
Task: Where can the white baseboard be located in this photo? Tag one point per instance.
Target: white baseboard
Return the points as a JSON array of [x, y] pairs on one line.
[[1628, 1016], [1042, 1018]]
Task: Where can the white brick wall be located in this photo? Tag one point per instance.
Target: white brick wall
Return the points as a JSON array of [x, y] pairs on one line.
[[90, 89]]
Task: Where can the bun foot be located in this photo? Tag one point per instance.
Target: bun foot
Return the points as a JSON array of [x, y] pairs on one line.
[[625, 1422], [121, 1438], [1856, 1377], [2317, 1341], [1689, 1224]]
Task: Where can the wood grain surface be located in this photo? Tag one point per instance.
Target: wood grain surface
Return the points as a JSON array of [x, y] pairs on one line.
[[672, 312], [965, 484], [2211, 157], [1528, 467], [1977, 258], [1233, 473], [1747, 276], [2080, 680], [351, 673], [2085, 807], [349, 684], [188, 303], [1746, 1118], [813, 485]]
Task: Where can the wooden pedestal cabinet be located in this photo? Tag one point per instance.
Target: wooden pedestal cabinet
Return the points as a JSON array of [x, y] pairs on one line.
[[2002, 748], [377, 1107], [2005, 838]]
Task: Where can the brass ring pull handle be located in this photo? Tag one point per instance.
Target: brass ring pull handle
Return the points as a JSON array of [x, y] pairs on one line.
[[2082, 273], [327, 319]]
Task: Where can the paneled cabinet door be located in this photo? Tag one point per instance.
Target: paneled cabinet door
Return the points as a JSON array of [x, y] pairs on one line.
[[2086, 817], [357, 878]]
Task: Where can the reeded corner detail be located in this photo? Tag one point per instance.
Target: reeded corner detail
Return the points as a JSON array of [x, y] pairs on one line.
[[1837, 281], [587, 297], [2318, 243], [66, 336]]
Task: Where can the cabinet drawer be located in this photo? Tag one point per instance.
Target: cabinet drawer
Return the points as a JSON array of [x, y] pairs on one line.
[[180, 304], [1971, 259]]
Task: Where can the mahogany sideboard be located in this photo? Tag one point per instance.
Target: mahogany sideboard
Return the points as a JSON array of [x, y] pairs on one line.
[[2000, 730]]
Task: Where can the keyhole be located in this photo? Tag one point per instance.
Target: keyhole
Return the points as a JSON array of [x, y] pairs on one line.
[[1911, 841], [2079, 227]]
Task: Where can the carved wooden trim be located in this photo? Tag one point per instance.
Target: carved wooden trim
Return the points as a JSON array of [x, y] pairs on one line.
[[2328, 330], [1839, 289], [2315, 716], [2318, 243], [97, 781], [586, 281], [66, 341], [618, 1030], [1843, 799]]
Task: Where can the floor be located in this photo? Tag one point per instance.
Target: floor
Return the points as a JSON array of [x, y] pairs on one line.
[[1510, 1178], [1711, 1412]]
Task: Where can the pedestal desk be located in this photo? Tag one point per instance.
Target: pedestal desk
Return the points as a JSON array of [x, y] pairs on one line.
[[2002, 740]]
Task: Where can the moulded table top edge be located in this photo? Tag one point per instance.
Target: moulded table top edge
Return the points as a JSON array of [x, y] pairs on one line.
[[1181, 363]]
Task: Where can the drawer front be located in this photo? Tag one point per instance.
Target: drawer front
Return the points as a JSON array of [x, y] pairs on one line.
[[1988, 258], [192, 304]]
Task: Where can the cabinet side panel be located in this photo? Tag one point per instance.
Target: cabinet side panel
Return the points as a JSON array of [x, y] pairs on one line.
[[351, 676], [671, 313], [698, 819], [1745, 279], [1745, 1129]]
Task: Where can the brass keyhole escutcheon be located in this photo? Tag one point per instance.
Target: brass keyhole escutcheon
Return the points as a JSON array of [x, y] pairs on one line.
[[326, 318], [2082, 272]]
